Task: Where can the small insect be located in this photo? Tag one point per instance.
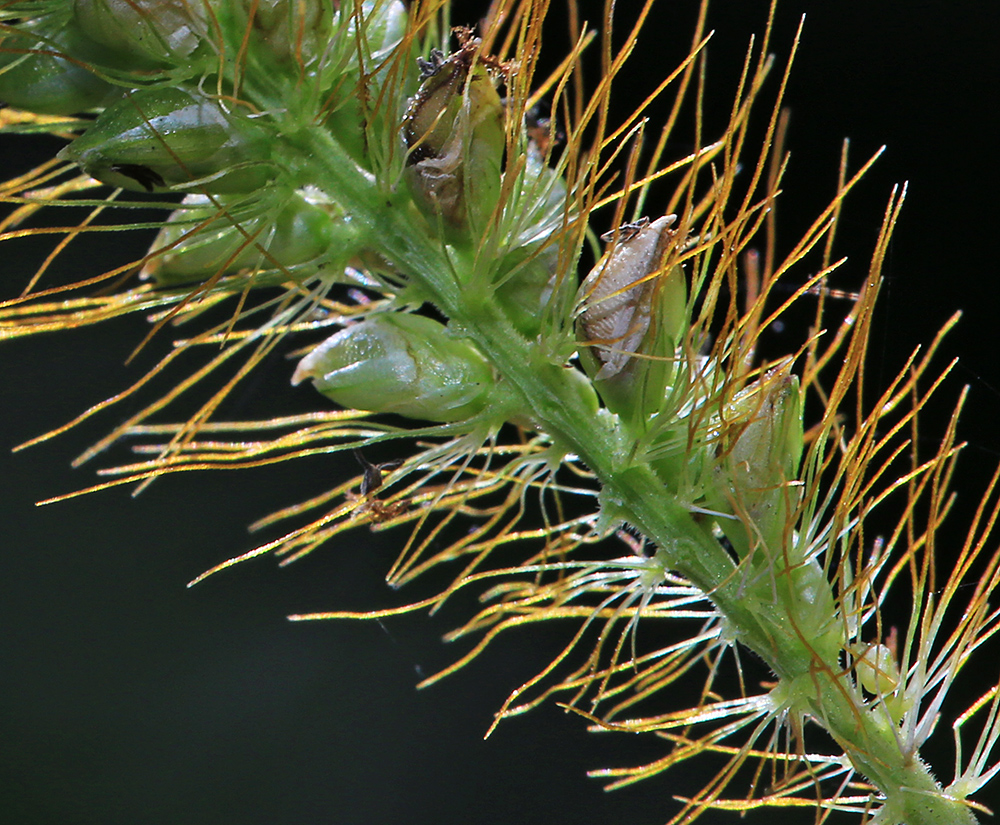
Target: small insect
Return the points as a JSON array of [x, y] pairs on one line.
[[429, 68], [627, 231], [454, 134], [371, 481], [837, 294], [543, 133], [618, 293], [430, 118]]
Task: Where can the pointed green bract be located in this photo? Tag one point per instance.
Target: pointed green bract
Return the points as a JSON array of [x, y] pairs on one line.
[[147, 32], [43, 69], [160, 139], [404, 364], [758, 448], [277, 230]]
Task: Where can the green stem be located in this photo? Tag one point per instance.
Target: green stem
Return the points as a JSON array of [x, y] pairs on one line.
[[638, 496]]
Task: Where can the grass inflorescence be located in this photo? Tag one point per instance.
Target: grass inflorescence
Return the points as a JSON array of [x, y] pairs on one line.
[[406, 207]]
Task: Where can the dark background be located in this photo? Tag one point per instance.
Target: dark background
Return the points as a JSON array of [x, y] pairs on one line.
[[127, 698]]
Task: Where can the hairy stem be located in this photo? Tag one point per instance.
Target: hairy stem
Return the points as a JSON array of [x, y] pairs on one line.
[[816, 685]]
